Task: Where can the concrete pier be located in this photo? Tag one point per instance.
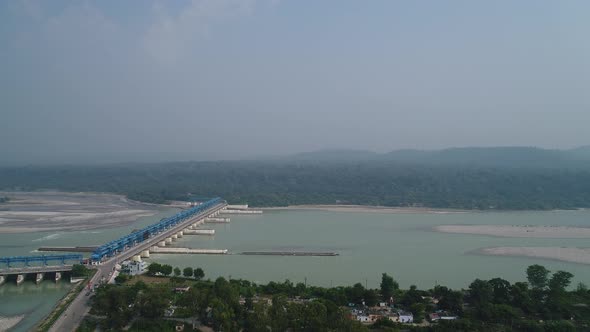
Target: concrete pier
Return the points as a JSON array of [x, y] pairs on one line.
[[217, 219], [19, 279], [241, 212], [200, 232], [168, 240], [191, 251], [136, 258], [2, 280], [162, 244], [174, 237], [145, 254], [180, 234], [39, 278], [237, 207], [57, 276], [289, 253]]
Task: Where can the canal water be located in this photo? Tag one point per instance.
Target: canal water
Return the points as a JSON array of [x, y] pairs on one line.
[[400, 244]]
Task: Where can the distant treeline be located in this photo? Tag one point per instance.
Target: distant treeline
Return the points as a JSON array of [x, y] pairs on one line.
[[291, 182]]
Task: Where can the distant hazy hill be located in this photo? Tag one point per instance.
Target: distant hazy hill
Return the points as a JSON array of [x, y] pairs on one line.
[[335, 155], [476, 156]]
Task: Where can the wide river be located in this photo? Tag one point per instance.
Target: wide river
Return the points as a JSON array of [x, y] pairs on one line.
[[368, 243]]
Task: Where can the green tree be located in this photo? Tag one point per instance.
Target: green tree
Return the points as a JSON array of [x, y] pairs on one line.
[[154, 268], [257, 319], [187, 272], [79, 270], [371, 297], [222, 315], [411, 296], [166, 269], [279, 320], [121, 278], [520, 295], [198, 273], [357, 293], [558, 300], [418, 310], [190, 300], [538, 276], [559, 281], [152, 302], [113, 302], [176, 272], [315, 317], [500, 290], [388, 286], [480, 296]]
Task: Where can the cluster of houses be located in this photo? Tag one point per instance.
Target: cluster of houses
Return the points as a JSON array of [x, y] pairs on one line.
[[370, 315]]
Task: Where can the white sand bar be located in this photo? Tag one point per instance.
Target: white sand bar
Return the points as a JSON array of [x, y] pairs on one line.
[[561, 232], [573, 255], [6, 323]]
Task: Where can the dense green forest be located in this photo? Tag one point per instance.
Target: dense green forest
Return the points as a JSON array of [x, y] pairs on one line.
[[280, 183], [543, 303]]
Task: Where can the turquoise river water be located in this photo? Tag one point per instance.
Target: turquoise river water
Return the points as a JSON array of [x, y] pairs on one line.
[[401, 244]]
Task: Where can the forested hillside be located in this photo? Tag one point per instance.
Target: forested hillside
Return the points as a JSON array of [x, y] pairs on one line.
[[280, 183]]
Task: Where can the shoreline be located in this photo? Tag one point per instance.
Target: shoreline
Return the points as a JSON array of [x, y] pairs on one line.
[[365, 208], [562, 254]]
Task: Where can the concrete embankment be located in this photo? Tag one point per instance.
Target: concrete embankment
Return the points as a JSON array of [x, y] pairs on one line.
[[199, 232], [158, 250], [289, 253]]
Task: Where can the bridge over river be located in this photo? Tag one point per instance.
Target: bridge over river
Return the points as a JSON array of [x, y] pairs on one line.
[[105, 257], [135, 245]]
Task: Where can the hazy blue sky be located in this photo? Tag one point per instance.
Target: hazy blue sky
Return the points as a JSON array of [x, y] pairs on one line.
[[85, 81]]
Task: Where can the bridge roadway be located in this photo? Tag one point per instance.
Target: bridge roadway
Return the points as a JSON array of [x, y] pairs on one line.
[[71, 318]]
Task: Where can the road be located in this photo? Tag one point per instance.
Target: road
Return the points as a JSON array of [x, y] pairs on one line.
[[71, 318]]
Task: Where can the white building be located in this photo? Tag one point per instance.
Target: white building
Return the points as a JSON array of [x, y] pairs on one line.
[[406, 317], [133, 268]]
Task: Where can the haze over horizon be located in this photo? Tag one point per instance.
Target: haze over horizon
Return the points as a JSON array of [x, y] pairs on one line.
[[96, 82]]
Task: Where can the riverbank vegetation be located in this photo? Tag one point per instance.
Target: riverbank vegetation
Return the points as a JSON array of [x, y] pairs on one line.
[[544, 302], [282, 183]]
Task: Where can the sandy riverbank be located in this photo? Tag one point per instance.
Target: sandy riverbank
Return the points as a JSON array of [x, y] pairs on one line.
[[59, 211], [6, 323], [573, 255], [365, 208], [564, 232]]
